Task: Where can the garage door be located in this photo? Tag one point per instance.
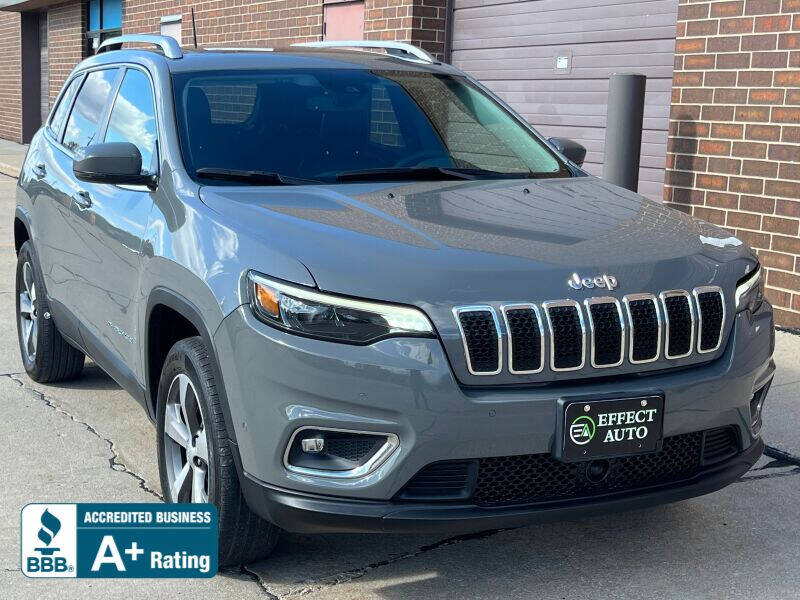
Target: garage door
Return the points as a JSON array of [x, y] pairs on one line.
[[551, 59]]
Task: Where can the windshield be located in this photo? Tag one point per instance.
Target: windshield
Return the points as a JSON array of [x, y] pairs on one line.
[[328, 125]]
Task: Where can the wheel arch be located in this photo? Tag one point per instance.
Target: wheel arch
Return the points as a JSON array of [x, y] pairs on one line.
[[22, 228], [163, 302]]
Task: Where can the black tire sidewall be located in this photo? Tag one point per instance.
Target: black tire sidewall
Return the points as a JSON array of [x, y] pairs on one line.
[[26, 254], [183, 360]]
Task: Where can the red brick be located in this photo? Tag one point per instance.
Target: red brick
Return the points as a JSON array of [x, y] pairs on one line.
[[679, 178], [749, 150], [754, 239], [788, 208], [763, 132], [755, 78], [743, 219], [746, 185], [789, 41], [752, 113], [711, 215], [693, 129], [769, 60], [691, 46], [759, 42], [727, 130], [785, 115], [783, 189], [732, 61], [730, 96], [705, 61], [790, 134], [773, 23], [715, 147], [794, 59], [762, 7], [790, 171], [693, 94], [793, 96], [719, 79], [689, 162], [687, 79], [788, 281], [728, 43], [728, 166], [786, 244], [727, 9], [766, 96], [684, 112], [778, 298], [760, 168], [701, 28], [711, 182], [717, 113], [784, 152], [787, 319], [780, 225], [682, 145], [721, 200], [757, 204], [741, 25], [776, 260], [688, 196], [692, 12]]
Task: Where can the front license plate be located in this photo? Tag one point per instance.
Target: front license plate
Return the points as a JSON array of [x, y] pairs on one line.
[[606, 428]]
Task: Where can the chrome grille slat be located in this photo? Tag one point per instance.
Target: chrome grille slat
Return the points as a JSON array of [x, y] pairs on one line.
[[607, 330], [678, 310], [643, 317], [525, 338], [483, 342], [710, 317], [567, 335]]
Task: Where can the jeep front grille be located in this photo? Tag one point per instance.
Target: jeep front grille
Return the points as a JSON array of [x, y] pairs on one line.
[[564, 335]]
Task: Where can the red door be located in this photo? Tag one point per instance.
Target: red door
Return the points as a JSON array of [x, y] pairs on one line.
[[344, 21]]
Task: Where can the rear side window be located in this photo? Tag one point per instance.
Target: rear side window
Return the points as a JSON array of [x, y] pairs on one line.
[[85, 116], [133, 116], [57, 122]]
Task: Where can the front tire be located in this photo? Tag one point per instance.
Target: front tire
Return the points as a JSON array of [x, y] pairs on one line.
[[195, 458], [46, 355]]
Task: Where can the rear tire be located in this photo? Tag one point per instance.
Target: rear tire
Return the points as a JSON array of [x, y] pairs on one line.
[[46, 355], [193, 443]]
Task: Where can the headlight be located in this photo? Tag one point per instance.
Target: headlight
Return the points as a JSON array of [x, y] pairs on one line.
[[750, 291], [308, 312]]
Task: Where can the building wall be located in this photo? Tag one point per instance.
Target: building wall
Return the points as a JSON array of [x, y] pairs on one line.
[[419, 22], [66, 25], [10, 77], [734, 143]]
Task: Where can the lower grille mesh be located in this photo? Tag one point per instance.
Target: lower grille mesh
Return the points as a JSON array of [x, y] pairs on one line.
[[508, 480]]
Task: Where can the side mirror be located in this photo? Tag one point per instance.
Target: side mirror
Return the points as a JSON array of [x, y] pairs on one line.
[[572, 150], [113, 162]]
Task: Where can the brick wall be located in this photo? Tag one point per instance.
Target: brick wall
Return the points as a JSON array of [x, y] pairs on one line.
[[10, 77], [231, 22], [420, 22], [734, 140], [66, 25]]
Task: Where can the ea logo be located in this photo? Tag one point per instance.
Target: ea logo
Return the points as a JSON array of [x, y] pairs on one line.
[[582, 429]]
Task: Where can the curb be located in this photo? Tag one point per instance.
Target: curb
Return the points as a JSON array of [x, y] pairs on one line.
[[10, 170]]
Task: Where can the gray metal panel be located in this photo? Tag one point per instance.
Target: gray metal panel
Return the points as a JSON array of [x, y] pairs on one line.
[[512, 47]]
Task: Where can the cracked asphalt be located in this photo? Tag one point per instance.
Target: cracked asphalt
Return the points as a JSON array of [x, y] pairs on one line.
[[88, 441]]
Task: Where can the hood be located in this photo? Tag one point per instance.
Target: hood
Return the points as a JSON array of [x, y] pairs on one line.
[[456, 243]]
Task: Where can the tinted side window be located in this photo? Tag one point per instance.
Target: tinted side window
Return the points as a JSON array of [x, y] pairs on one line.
[[60, 112], [85, 115], [133, 116]]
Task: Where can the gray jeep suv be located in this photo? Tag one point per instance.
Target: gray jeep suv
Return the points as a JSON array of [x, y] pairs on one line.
[[356, 292]]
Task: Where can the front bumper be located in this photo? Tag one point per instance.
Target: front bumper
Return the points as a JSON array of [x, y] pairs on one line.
[[277, 382], [309, 513]]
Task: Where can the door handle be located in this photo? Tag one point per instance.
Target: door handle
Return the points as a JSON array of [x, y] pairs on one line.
[[82, 199], [39, 170]]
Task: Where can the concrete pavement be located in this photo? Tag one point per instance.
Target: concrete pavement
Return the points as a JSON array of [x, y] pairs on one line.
[[11, 157], [89, 441]]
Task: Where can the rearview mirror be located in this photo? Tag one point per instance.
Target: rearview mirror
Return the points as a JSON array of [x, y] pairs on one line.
[[113, 162], [572, 150]]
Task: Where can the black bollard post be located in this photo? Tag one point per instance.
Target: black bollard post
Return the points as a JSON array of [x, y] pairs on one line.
[[624, 129]]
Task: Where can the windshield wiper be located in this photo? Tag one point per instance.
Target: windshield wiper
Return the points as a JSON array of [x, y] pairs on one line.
[[426, 173], [265, 177]]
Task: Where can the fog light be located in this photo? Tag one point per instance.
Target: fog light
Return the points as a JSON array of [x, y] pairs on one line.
[[337, 453], [312, 445]]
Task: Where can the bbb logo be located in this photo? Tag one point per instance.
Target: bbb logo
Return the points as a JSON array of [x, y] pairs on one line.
[[48, 542]]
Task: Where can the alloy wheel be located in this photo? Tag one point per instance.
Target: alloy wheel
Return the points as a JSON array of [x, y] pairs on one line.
[[28, 318], [185, 443]]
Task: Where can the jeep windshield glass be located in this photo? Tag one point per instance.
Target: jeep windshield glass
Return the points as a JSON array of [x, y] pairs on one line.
[[325, 124]]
